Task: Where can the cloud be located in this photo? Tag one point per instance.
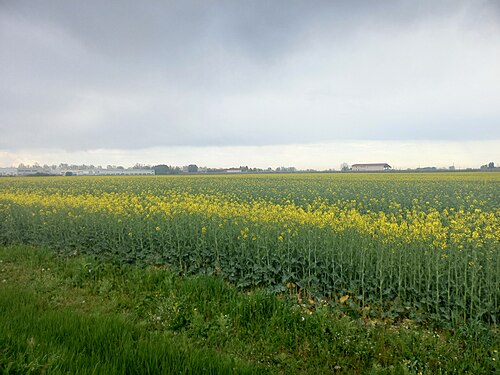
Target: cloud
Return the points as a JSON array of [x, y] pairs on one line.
[[126, 75]]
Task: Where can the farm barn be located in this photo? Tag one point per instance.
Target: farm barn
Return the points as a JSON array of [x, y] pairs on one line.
[[373, 167]]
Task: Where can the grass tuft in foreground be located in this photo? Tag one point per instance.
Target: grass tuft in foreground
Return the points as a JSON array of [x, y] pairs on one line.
[[77, 315]]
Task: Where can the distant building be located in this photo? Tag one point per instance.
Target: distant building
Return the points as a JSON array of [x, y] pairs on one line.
[[39, 171], [105, 172], [122, 172], [31, 171], [75, 172], [371, 167], [232, 170], [8, 172]]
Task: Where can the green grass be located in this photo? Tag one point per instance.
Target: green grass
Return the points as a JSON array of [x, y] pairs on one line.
[[79, 315], [38, 339]]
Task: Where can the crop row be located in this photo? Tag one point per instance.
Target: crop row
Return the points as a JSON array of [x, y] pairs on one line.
[[407, 261]]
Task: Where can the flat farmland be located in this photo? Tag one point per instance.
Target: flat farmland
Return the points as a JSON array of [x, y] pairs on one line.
[[383, 273], [419, 246]]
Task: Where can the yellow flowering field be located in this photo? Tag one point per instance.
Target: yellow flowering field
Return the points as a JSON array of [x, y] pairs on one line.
[[412, 245]]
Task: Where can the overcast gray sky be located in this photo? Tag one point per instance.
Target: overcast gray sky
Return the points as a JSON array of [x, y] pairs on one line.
[[260, 83]]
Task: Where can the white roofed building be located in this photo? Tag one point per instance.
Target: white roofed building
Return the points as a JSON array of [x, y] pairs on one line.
[[8, 172], [371, 167]]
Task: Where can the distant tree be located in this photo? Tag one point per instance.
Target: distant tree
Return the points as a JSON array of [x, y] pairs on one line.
[[161, 169], [491, 165], [344, 167], [192, 168]]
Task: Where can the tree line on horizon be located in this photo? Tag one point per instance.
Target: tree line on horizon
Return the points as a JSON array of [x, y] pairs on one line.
[[164, 169]]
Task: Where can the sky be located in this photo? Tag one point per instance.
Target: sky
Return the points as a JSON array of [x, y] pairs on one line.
[[310, 84]]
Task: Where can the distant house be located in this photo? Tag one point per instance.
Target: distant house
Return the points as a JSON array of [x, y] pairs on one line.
[[372, 167]]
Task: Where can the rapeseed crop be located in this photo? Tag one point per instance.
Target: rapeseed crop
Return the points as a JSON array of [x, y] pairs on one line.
[[424, 246]]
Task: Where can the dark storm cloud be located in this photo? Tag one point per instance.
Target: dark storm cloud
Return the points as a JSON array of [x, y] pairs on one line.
[[129, 74]]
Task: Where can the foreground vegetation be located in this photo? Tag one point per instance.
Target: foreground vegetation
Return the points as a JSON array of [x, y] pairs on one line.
[[423, 247], [356, 273], [81, 315]]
